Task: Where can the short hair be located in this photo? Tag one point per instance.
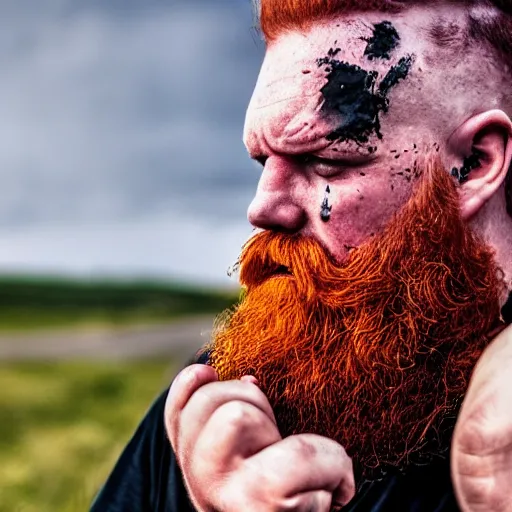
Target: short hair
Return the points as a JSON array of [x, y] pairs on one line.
[[276, 17]]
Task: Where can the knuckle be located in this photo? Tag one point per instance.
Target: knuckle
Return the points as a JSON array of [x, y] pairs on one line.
[[187, 376], [348, 465], [235, 494], [204, 395], [255, 393], [267, 496], [304, 447], [293, 504], [239, 415], [314, 501]]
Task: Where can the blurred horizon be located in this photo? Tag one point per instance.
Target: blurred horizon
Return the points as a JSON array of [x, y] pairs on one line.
[[125, 186], [122, 153]]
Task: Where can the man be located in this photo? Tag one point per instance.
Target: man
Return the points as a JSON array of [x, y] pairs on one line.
[[381, 273]]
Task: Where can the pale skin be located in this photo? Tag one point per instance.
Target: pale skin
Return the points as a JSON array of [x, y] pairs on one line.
[[224, 433]]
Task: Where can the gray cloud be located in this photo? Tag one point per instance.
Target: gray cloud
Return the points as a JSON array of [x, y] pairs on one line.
[[121, 135], [112, 111], [168, 246]]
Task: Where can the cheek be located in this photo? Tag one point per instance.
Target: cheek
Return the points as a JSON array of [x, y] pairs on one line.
[[362, 209]]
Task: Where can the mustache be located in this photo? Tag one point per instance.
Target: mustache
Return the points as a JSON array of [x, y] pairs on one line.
[[270, 254]]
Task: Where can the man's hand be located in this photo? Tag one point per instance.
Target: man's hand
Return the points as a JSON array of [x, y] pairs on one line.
[[482, 442], [233, 458]]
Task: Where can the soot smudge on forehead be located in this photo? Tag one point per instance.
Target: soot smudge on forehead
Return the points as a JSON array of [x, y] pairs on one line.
[[351, 93], [333, 52], [384, 40], [395, 74]]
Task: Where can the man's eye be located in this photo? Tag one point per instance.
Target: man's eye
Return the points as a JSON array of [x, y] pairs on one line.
[[322, 166]]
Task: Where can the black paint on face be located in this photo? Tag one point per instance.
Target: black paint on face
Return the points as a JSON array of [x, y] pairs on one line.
[[470, 163], [384, 40], [395, 74], [333, 52], [325, 212], [350, 93]]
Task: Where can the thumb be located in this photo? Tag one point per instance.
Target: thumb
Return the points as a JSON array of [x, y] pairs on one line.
[[251, 379]]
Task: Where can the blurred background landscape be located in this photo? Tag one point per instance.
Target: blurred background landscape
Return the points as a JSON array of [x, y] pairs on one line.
[[125, 185]]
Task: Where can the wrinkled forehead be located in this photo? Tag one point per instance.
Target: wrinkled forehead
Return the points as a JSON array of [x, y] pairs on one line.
[[291, 62], [291, 88], [373, 41]]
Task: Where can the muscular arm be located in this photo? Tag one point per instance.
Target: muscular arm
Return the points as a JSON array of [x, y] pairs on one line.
[[482, 443]]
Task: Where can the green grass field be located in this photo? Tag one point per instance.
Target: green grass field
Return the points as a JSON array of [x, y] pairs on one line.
[[64, 425], [36, 303]]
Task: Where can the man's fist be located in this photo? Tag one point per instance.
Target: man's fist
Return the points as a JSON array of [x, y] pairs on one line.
[[482, 442], [233, 458]]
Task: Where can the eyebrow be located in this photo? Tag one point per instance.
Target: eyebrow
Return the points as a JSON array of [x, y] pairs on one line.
[[349, 160]]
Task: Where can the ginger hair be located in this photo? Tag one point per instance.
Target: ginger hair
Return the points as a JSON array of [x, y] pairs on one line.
[[276, 17], [377, 352]]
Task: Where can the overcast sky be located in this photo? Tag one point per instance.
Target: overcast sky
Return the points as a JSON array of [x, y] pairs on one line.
[[121, 136]]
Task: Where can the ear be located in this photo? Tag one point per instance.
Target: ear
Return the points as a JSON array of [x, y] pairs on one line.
[[481, 152]]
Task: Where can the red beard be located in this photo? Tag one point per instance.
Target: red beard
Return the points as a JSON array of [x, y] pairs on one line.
[[375, 353]]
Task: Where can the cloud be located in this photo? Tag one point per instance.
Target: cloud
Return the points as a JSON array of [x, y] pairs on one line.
[[109, 116], [160, 246], [116, 113]]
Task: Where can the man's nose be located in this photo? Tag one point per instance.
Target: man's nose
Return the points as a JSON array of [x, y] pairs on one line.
[[276, 205]]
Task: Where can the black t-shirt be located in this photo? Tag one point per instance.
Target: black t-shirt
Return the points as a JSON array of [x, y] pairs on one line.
[[147, 479]]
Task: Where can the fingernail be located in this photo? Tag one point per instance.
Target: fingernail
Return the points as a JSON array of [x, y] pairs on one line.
[[250, 378]]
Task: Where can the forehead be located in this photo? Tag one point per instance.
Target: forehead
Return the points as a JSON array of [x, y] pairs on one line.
[[291, 61], [288, 94]]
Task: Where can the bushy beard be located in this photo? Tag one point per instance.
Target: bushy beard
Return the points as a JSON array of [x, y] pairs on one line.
[[375, 353]]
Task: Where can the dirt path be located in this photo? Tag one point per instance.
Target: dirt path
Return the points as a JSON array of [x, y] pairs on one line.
[[181, 338]]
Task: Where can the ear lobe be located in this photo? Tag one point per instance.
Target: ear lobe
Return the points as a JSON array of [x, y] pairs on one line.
[[481, 153]]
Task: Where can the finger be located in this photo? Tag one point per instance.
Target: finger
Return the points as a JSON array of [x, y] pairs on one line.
[[302, 463], [251, 379], [183, 387], [208, 399], [313, 501], [234, 432]]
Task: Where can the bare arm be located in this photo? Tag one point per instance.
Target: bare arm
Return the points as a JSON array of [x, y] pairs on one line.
[[482, 443]]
